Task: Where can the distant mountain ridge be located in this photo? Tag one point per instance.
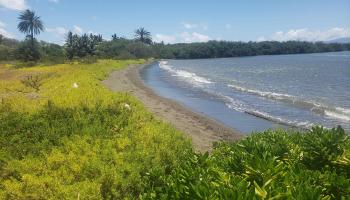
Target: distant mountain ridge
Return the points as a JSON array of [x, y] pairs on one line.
[[342, 40]]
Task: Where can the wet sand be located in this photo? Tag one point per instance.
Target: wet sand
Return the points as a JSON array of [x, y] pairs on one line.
[[202, 130]]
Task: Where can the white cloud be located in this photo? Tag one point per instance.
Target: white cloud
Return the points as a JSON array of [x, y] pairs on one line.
[[14, 4], [184, 37], [228, 26], [193, 37], [54, 1], [164, 38], [77, 29], [4, 32], [261, 38], [92, 32], [308, 35], [57, 30], [188, 25]]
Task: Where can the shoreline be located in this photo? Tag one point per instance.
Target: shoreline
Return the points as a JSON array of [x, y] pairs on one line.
[[201, 129]]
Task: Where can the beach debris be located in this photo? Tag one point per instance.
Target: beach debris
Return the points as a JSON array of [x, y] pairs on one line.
[[75, 85], [127, 106]]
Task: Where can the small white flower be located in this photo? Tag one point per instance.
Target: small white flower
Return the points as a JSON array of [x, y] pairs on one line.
[[127, 106], [75, 85]]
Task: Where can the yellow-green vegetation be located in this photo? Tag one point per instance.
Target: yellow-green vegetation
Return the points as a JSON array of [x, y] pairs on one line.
[[72, 138], [64, 136]]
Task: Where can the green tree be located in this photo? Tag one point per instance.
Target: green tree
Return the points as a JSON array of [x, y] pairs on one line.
[[28, 50], [69, 46], [141, 34], [30, 24], [114, 37]]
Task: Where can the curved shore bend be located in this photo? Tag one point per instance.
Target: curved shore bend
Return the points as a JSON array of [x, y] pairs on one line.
[[202, 130]]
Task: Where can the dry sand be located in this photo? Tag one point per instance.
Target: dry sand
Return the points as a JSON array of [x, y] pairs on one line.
[[202, 130]]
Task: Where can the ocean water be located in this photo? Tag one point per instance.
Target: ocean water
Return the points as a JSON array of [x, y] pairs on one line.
[[260, 92]]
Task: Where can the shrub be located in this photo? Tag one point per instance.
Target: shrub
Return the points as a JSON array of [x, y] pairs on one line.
[[272, 164], [28, 50]]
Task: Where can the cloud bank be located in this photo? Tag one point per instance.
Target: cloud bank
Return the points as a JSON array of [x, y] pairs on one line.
[[14, 4], [184, 37], [4, 32], [305, 34], [57, 30]]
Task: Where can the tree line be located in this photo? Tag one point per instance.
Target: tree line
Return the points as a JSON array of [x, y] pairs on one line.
[[87, 46]]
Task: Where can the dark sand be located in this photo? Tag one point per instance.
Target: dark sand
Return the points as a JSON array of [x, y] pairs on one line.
[[202, 130]]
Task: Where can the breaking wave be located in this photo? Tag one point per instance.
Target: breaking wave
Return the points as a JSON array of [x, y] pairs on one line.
[[188, 76], [318, 108]]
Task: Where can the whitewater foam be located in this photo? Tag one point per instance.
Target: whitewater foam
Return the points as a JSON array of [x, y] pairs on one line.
[[241, 107], [337, 115], [263, 115], [318, 108], [188, 76]]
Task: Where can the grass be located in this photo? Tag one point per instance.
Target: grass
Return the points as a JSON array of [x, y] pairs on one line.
[[65, 136], [63, 142]]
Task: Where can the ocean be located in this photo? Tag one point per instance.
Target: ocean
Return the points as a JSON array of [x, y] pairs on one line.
[[260, 92]]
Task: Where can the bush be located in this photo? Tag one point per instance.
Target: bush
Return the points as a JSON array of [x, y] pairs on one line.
[[28, 50], [272, 164]]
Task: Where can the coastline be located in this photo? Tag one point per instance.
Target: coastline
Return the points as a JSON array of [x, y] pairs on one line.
[[201, 129]]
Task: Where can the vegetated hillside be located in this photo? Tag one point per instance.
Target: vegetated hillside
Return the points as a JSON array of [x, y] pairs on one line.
[[91, 47], [64, 136]]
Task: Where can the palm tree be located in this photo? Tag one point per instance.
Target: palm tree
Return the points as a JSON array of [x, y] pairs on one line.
[[114, 37], [143, 35], [30, 24]]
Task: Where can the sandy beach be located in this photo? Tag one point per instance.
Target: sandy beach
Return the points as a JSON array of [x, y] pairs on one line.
[[202, 130]]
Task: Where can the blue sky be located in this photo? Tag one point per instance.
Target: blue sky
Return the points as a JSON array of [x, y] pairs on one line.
[[185, 20]]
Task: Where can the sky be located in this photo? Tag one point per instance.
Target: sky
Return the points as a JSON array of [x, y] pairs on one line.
[[174, 21]]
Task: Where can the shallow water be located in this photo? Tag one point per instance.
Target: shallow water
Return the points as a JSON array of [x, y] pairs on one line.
[[255, 93]]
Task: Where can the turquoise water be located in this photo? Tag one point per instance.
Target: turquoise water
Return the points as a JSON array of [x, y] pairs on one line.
[[255, 93]]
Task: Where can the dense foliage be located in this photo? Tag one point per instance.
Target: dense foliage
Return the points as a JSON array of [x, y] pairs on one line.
[[268, 165], [93, 46], [219, 49], [64, 136], [81, 46], [31, 51], [7, 48]]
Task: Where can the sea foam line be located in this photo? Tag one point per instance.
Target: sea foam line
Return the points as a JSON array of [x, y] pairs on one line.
[[339, 113], [241, 107], [189, 76]]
